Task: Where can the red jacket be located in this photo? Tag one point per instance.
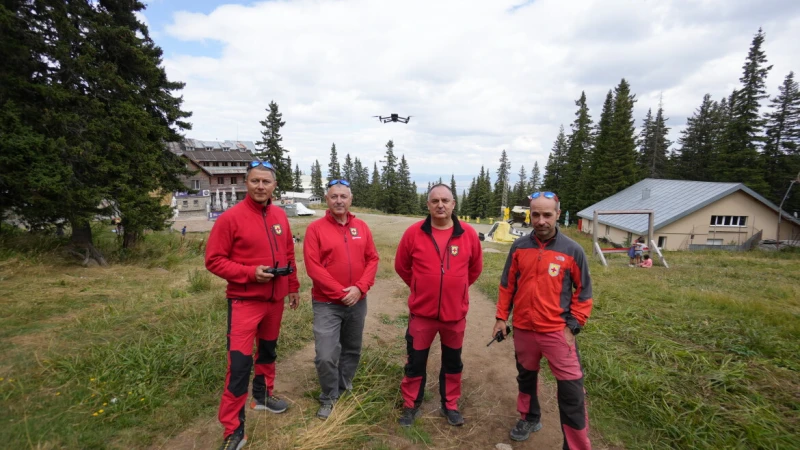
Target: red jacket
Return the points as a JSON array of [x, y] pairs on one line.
[[338, 256], [439, 287], [547, 284], [250, 235]]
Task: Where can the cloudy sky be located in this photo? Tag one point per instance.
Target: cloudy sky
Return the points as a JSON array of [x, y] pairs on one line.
[[477, 76]]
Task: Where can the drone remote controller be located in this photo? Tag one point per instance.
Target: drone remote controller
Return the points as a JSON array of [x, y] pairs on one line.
[[280, 271]]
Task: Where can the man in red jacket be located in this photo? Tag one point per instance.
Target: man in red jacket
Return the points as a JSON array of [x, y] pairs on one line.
[[246, 243], [341, 259], [546, 282], [438, 259]]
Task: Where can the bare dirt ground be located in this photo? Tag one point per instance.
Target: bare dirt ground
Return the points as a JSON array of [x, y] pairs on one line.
[[488, 393]]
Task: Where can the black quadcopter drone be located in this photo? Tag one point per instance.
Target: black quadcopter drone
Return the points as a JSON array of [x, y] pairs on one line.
[[393, 118]]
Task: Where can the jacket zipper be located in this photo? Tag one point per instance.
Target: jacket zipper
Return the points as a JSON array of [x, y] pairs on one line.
[[441, 265], [271, 247], [347, 249]]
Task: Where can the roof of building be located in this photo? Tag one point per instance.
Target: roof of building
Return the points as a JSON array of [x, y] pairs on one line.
[[198, 150], [670, 199]]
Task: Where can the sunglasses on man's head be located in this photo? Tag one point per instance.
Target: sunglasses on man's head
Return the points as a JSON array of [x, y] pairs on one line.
[[342, 182], [546, 194], [254, 164]]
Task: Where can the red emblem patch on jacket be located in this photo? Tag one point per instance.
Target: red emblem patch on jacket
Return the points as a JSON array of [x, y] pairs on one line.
[[354, 231], [277, 229], [454, 250], [554, 269]]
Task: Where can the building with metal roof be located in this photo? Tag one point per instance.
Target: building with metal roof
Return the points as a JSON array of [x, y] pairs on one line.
[[690, 212]]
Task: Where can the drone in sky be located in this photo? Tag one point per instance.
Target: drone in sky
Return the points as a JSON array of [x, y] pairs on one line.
[[393, 118]]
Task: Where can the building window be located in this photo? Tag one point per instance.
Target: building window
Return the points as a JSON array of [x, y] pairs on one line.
[[225, 164], [220, 180], [728, 221], [233, 180], [713, 241], [608, 230], [196, 202], [195, 184], [186, 203], [216, 164], [662, 241]]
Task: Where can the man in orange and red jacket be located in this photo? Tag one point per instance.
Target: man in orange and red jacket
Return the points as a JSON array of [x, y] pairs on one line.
[[438, 259], [244, 243], [546, 282], [341, 259]]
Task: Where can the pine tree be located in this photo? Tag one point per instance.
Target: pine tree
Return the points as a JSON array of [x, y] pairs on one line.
[[407, 190], [698, 143], [577, 156], [334, 171], [316, 180], [298, 179], [347, 169], [375, 189], [501, 188], [455, 192], [740, 160], [271, 148], [782, 149], [653, 145], [391, 195], [520, 196], [359, 184], [623, 136], [472, 199], [554, 170], [535, 183]]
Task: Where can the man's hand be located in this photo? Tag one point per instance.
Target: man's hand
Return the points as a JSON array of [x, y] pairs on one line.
[[262, 276], [569, 336], [352, 296], [500, 326], [294, 300]]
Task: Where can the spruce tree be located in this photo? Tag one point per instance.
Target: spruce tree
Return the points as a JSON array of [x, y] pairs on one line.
[[520, 189], [391, 194], [697, 154], [623, 171], [316, 180], [407, 190], [347, 169], [653, 146], [535, 183], [359, 184], [577, 156], [455, 192], [502, 192], [375, 189], [740, 160], [554, 170], [298, 179], [782, 149], [271, 148]]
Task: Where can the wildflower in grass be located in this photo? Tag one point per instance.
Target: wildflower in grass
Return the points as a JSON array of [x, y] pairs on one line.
[[58, 393], [2, 378], [101, 411], [130, 393], [105, 404], [95, 414], [91, 379], [141, 399]]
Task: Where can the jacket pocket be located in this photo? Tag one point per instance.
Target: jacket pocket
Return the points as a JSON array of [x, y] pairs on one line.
[[424, 298]]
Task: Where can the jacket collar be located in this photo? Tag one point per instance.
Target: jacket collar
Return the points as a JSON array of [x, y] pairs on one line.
[[255, 206], [329, 216], [543, 244], [458, 230]]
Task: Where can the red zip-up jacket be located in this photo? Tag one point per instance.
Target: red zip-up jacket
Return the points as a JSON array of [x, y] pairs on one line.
[[439, 286], [547, 284], [250, 235], [338, 256]]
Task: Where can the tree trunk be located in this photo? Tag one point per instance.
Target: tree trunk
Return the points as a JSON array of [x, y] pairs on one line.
[[82, 239], [129, 238]]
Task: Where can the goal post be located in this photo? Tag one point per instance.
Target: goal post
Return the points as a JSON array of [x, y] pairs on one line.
[[650, 231]]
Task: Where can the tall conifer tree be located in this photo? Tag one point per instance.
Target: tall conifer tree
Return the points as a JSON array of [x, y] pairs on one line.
[[334, 171], [782, 149], [554, 170], [272, 150], [579, 149]]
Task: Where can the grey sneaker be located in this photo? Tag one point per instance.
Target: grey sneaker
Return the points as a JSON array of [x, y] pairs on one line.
[[408, 416], [523, 430], [324, 411], [234, 441], [454, 417], [272, 404]]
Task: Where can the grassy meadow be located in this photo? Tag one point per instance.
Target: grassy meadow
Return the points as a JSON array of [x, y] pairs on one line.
[[703, 355]]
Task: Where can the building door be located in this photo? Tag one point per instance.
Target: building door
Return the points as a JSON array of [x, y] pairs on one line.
[[662, 242]]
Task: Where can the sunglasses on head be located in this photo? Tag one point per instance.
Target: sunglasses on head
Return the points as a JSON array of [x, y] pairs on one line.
[[254, 164], [546, 194], [342, 182]]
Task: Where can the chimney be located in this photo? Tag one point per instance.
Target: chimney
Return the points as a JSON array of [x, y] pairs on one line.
[[645, 193]]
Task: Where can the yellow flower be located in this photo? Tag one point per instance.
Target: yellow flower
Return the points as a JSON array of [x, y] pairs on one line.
[[91, 379], [101, 411], [2, 378], [129, 392], [93, 395], [95, 414], [141, 399], [58, 393], [10, 380]]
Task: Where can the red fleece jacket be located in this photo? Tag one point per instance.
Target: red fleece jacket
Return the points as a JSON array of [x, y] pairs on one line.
[[439, 287], [250, 235], [338, 256]]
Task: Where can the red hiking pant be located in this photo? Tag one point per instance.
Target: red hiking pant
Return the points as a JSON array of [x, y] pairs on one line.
[[564, 361], [249, 320], [419, 337]]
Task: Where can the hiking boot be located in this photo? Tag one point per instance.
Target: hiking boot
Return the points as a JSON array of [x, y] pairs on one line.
[[234, 441], [523, 430], [272, 404], [324, 411], [454, 417], [408, 416]]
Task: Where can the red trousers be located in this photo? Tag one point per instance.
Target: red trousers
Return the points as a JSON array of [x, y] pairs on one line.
[[249, 321], [419, 337], [564, 361]]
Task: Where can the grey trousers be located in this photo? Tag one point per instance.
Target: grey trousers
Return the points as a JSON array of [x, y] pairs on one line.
[[338, 332]]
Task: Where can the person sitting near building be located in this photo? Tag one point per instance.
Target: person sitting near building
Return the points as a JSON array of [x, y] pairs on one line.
[[647, 262]]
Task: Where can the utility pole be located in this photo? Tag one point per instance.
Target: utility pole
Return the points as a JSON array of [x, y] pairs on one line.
[[780, 211]]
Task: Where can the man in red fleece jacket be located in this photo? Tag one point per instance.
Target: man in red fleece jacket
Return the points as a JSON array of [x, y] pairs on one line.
[[245, 242], [438, 259], [341, 259]]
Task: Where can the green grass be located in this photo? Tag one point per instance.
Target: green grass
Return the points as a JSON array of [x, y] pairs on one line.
[[702, 355], [117, 356]]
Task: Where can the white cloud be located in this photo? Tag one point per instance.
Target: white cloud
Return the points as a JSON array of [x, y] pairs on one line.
[[477, 76]]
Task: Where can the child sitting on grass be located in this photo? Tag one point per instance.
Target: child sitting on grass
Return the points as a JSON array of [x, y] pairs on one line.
[[646, 262]]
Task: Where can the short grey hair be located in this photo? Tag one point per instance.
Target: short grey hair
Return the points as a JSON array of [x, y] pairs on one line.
[[437, 185]]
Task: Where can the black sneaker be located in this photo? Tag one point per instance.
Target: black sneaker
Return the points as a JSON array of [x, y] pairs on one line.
[[523, 430], [272, 404], [454, 417], [407, 417], [234, 441]]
